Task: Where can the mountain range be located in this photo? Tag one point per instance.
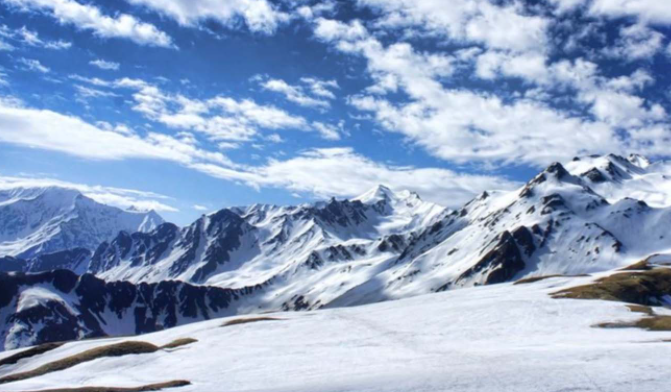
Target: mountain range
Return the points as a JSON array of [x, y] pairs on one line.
[[590, 215]]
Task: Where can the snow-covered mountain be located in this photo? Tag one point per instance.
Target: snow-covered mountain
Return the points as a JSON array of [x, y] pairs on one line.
[[42, 220], [594, 214], [321, 249], [61, 305]]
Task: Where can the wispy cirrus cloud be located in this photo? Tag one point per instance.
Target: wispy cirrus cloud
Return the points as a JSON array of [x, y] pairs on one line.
[[33, 65], [308, 92]]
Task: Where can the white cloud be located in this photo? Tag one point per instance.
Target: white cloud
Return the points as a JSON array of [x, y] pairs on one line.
[[390, 67], [312, 92], [6, 46], [259, 15], [328, 131], [105, 65], [636, 42], [89, 17], [220, 118], [652, 11], [313, 171], [118, 197], [500, 27], [530, 66], [471, 126], [48, 130], [33, 65], [88, 92], [321, 88], [32, 38], [293, 93], [198, 207]]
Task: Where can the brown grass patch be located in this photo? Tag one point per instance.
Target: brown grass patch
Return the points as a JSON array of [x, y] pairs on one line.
[[31, 352], [248, 320], [655, 323], [539, 278], [179, 343], [642, 265], [641, 287], [113, 350], [150, 387], [641, 309]]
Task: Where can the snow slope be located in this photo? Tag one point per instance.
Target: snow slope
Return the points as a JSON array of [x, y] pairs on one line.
[[42, 220], [493, 338]]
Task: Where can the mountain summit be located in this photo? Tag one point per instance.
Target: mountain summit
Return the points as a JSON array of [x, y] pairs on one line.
[[42, 220]]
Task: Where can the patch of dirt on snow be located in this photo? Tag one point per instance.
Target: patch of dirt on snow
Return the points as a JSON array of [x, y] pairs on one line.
[[179, 343], [248, 320], [114, 350], [640, 287], [151, 387], [31, 352]]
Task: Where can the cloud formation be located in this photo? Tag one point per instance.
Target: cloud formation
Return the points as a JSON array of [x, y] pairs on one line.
[[89, 17], [117, 197], [260, 16]]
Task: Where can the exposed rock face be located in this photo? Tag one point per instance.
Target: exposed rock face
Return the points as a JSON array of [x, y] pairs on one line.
[[59, 305]]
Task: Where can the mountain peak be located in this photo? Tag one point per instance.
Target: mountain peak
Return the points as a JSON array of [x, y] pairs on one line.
[[376, 194]]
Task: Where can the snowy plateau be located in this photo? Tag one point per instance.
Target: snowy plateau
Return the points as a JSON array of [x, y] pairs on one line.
[[529, 290]]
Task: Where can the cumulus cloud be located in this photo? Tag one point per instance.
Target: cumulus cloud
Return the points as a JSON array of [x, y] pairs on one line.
[[648, 11], [463, 125], [91, 18], [496, 26], [118, 197], [105, 65], [258, 15], [636, 42], [220, 118]]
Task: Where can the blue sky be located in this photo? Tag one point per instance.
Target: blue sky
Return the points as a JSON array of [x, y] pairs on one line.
[[187, 106]]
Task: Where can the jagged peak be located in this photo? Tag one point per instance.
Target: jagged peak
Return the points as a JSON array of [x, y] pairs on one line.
[[375, 195], [558, 170]]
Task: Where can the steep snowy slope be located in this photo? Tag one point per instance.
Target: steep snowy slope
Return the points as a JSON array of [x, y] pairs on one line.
[[36, 221], [493, 338], [556, 224], [60, 306], [252, 245]]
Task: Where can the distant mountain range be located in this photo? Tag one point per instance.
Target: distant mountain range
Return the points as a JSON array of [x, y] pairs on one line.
[[42, 220], [593, 214]]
